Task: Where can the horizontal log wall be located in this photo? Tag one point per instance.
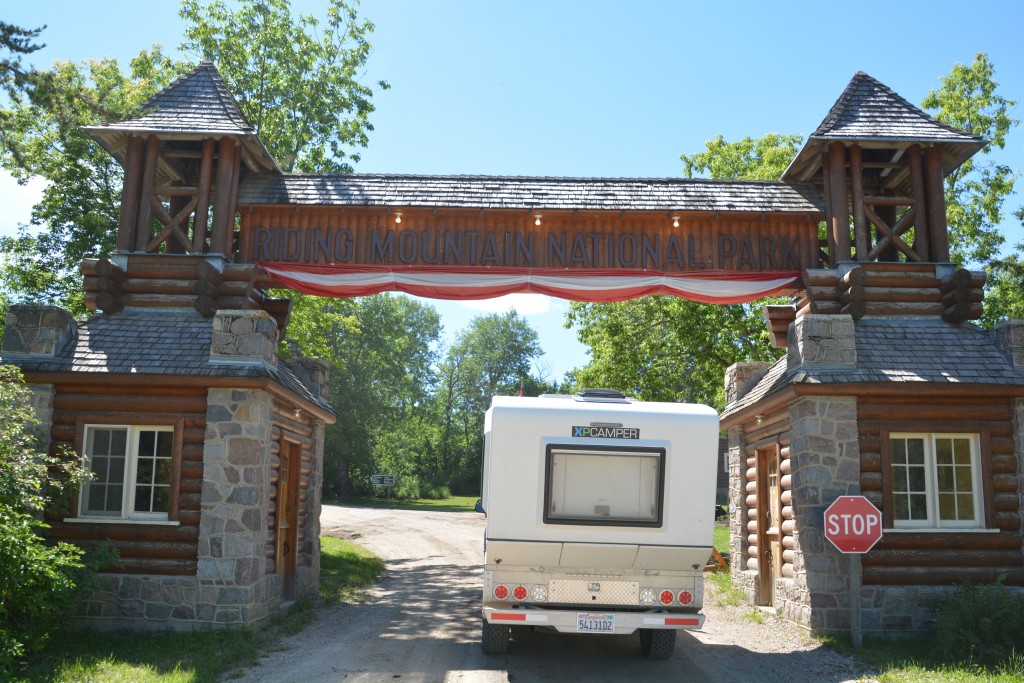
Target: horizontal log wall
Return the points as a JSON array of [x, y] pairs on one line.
[[773, 429], [931, 557], [143, 548], [178, 281], [893, 289]]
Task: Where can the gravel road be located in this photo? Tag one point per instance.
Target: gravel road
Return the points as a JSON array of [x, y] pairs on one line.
[[421, 623]]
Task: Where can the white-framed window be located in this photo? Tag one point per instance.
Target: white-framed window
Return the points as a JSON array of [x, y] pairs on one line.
[[130, 472], [935, 480], [604, 486]]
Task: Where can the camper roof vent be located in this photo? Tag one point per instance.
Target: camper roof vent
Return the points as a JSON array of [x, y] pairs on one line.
[[602, 396]]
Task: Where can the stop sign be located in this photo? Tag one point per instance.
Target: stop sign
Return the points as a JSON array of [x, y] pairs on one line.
[[853, 524]]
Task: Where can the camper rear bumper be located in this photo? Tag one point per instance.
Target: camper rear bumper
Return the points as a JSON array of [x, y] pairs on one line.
[[596, 621]]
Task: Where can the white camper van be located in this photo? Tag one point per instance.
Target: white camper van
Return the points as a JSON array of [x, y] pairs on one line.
[[600, 516]]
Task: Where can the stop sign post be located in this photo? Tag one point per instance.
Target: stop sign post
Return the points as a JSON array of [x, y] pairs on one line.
[[853, 525]]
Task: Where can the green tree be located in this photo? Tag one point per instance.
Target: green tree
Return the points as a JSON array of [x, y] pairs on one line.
[[382, 349], [975, 192], [493, 356], [296, 79], [765, 158], [39, 581], [78, 213], [661, 348]]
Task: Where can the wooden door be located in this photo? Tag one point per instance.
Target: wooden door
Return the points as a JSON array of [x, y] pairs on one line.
[[769, 527], [287, 516]]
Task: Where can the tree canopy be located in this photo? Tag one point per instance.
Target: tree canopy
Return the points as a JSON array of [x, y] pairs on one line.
[[297, 79]]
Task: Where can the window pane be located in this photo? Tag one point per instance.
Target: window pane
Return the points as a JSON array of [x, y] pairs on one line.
[[161, 496], [962, 451], [899, 480], [945, 478], [963, 479], [900, 508], [98, 465], [899, 451], [119, 441], [918, 506], [101, 441], [145, 472], [97, 498], [163, 472], [604, 487], [147, 443], [915, 451], [917, 478], [116, 472], [163, 444], [142, 494], [947, 506], [943, 451]]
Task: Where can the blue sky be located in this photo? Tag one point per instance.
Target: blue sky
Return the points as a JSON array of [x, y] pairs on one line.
[[592, 88]]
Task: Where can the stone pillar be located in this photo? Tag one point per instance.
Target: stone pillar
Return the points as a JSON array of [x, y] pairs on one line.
[[33, 331], [821, 341], [244, 338], [1009, 338], [741, 378], [233, 531], [825, 456]]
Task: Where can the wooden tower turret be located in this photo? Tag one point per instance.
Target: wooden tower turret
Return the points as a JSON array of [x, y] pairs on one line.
[[882, 160]]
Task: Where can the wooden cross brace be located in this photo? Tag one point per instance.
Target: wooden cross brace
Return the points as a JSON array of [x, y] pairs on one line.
[[172, 225], [891, 236]]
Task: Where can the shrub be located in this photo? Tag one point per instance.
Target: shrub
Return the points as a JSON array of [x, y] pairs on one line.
[[984, 624], [38, 581]]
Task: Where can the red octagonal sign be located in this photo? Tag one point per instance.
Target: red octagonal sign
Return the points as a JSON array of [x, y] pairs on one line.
[[853, 524]]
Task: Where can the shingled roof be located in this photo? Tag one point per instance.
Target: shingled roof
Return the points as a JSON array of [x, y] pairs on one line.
[[514, 192], [154, 342], [870, 112], [893, 350], [196, 105]]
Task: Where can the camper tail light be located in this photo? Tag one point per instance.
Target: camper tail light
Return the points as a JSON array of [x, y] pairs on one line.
[[685, 597], [667, 597], [539, 593], [520, 592], [648, 596], [501, 592]]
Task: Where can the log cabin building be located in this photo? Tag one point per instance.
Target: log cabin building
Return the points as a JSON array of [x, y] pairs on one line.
[[887, 390], [206, 446]]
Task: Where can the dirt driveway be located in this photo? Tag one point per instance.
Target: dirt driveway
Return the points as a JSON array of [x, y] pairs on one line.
[[422, 623]]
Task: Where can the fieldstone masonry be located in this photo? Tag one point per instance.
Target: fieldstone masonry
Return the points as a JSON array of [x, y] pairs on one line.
[[817, 341], [740, 377], [233, 528], [825, 458], [244, 337], [37, 330]]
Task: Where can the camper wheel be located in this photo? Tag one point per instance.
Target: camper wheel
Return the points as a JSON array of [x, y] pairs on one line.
[[657, 643], [495, 638]]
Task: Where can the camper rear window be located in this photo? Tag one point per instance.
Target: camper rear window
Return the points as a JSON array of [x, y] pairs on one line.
[[604, 485]]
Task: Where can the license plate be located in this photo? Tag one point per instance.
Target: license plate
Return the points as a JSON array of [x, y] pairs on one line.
[[595, 623]]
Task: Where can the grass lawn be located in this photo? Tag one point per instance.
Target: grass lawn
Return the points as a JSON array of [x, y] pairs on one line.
[[197, 657], [722, 538], [917, 661], [452, 504]]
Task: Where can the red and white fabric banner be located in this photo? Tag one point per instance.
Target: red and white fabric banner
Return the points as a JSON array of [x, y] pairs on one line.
[[483, 282]]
